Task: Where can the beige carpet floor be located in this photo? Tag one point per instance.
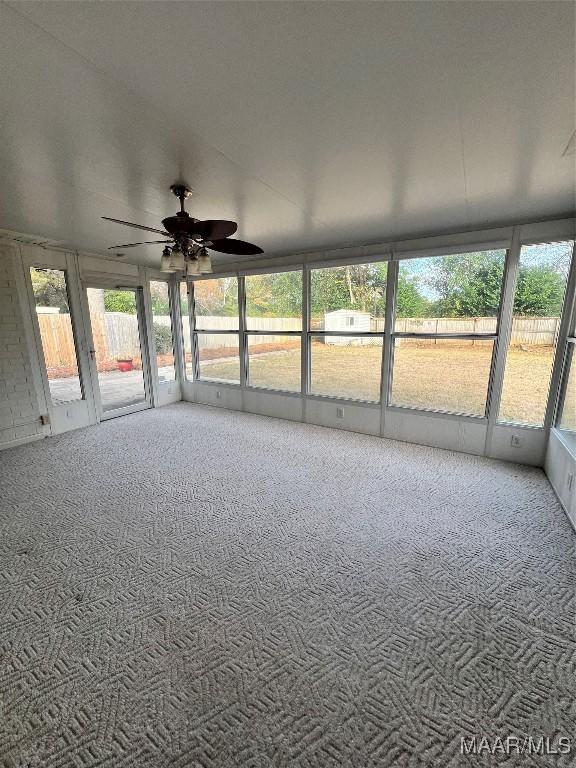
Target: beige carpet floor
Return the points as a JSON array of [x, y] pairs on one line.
[[197, 588]]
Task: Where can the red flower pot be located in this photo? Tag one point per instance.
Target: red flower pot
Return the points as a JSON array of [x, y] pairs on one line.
[[125, 365]]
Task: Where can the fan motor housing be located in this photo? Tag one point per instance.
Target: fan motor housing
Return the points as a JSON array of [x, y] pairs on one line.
[[181, 224]]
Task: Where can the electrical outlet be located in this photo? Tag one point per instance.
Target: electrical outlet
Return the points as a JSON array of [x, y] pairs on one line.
[[339, 413], [515, 441], [218, 394], [570, 480]]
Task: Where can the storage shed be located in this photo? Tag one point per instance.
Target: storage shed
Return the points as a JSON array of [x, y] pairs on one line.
[[350, 320]]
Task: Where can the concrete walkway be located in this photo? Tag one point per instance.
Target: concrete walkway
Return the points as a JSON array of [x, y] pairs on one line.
[[117, 388]]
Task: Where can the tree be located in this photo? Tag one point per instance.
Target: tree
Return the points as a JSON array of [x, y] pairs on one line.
[[120, 301], [162, 338], [409, 301], [466, 285], [471, 286], [278, 294], [49, 288], [217, 297], [159, 298], [356, 286], [539, 291]]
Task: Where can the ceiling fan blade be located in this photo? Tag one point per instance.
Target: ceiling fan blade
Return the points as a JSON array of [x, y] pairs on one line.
[[239, 247], [137, 226], [133, 245], [215, 229]]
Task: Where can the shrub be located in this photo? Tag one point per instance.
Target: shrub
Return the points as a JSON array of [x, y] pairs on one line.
[[162, 339]]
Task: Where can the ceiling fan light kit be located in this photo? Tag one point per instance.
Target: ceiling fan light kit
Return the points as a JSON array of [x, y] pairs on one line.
[[192, 268], [177, 259], [204, 263], [188, 239], [165, 260]]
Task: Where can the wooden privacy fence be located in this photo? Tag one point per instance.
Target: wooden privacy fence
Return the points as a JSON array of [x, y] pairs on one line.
[[57, 340], [116, 333], [529, 331], [274, 324]]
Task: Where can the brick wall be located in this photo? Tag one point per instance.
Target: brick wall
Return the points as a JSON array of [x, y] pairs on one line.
[[19, 411]]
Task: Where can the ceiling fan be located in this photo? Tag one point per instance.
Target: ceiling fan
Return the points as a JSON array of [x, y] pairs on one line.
[[189, 239]]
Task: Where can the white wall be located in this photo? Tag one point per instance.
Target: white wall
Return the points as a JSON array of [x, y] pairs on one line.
[[19, 403], [22, 377], [447, 431], [559, 465]]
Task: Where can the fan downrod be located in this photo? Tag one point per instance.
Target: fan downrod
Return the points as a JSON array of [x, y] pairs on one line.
[[181, 191]]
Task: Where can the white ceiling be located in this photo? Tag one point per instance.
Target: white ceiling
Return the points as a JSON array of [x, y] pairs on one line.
[[312, 124]]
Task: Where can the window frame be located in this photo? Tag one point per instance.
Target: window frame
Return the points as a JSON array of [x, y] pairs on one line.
[[171, 313], [244, 350], [493, 337], [309, 268], [509, 239], [61, 263], [567, 319], [182, 355], [566, 350], [194, 332], [568, 367]]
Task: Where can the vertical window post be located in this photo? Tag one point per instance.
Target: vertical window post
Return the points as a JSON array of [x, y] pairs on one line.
[[242, 330], [305, 343], [387, 354], [504, 332], [177, 333], [563, 372]]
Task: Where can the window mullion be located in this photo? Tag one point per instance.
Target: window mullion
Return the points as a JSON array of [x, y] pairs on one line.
[[177, 333], [504, 326], [193, 334], [387, 351], [567, 320], [242, 340], [305, 338]]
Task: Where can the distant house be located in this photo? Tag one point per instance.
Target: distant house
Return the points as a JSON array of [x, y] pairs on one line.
[[349, 320]]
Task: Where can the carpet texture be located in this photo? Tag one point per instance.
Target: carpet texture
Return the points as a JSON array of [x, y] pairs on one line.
[[196, 588]]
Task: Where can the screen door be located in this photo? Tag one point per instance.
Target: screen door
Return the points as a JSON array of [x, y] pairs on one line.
[[118, 359]]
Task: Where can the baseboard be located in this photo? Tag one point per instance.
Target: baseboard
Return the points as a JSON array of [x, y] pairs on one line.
[[556, 493], [21, 441]]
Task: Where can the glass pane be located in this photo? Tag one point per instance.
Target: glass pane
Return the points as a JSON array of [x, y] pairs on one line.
[[186, 338], [442, 374], [350, 298], [116, 339], [219, 356], [538, 299], [274, 362], [162, 329], [450, 294], [216, 304], [57, 334], [346, 366], [274, 302], [567, 411]]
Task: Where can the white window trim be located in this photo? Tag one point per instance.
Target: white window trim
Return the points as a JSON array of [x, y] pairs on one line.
[[510, 237]]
